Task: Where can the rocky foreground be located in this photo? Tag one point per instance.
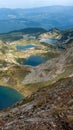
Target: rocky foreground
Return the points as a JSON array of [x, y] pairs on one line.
[[50, 108]]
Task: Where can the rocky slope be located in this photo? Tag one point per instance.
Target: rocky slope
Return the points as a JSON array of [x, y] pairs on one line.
[[53, 69], [50, 108]]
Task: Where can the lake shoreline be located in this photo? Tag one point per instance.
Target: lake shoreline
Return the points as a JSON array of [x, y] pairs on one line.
[[9, 96]]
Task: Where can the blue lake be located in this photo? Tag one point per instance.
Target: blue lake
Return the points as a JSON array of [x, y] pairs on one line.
[[8, 97], [47, 40], [29, 46], [29, 37], [34, 60]]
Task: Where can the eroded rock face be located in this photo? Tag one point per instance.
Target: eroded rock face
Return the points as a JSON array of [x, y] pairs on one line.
[[50, 108]]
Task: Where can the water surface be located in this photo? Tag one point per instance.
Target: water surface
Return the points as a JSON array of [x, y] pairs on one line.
[[34, 60], [29, 37], [8, 97], [29, 46], [47, 40]]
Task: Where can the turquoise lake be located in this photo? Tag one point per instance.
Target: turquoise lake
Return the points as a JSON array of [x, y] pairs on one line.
[[8, 97], [34, 60]]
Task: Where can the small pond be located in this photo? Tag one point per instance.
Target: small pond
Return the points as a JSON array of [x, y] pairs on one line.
[[29, 37]]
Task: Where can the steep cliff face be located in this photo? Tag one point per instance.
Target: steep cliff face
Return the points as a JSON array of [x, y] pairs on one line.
[[50, 108]]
